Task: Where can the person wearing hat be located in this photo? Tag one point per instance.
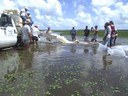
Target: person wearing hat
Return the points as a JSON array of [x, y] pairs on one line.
[[26, 34]]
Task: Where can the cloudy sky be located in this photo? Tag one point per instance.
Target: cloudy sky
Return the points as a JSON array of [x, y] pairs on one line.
[[64, 14]]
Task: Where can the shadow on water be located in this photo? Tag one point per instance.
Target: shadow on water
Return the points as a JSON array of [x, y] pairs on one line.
[[55, 69]]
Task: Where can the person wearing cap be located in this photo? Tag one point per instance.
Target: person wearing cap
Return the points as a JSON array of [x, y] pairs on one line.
[[26, 34], [35, 32]]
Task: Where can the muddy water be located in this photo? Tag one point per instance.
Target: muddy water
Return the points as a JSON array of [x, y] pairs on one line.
[[56, 69]]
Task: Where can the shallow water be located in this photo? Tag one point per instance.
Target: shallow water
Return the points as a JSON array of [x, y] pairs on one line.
[[56, 69]]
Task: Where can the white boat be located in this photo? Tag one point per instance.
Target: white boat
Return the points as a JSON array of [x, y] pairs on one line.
[[8, 31]]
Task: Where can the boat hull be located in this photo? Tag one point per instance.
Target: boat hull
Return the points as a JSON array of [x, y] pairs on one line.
[[8, 42], [8, 37]]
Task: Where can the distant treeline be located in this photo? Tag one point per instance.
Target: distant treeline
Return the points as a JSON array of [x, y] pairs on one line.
[[121, 33]]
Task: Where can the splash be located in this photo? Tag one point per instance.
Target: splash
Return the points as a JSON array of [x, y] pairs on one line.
[[60, 38], [118, 51]]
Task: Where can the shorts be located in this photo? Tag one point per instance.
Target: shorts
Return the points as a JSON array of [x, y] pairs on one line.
[[35, 38], [26, 41]]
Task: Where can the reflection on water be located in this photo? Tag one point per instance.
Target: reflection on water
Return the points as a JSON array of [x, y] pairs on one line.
[[55, 69], [106, 63], [73, 49]]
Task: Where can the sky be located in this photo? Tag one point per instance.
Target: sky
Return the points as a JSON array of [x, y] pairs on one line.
[[65, 14]]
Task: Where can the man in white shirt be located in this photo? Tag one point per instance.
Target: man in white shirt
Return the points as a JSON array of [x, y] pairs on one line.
[[35, 32], [26, 34], [107, 36]]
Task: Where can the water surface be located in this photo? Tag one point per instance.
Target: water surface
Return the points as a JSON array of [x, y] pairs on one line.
[[56, 69]]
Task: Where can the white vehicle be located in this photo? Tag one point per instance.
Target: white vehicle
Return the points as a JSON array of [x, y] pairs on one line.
[[8, 30]]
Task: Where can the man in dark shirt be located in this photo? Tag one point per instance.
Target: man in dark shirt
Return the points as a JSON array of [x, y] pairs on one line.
[[86, 34], [73, 33]]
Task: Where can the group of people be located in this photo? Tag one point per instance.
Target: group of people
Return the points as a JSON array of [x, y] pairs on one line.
[[111, 34], [25, 14], [109, 38], [29, 32], [94, 31]]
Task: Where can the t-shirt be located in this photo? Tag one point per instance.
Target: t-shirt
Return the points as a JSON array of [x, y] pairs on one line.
[[22, 12], [108, 32], [73, 32], [25, 32], [113, 30], [35, 31], [86, 32]]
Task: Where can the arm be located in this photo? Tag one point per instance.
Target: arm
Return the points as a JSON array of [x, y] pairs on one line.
[[105, 36], [108, 31], [75, 32]]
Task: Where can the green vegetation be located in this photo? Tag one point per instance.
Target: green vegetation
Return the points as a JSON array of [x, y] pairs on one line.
[[121, 33]]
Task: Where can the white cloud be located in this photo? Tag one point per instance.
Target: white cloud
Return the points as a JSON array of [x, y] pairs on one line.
[[84, 19], [52, 12], [32, 3], [7, 4], [54, 7], [116, 12], [101, 3], [80, 8], [50, 7], [57, 22], [75, 3]]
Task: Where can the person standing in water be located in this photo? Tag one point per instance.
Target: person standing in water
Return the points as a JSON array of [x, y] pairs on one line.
[[26, 34], [95, 34], [35, 32], [73, 33], [114, 34], [107, 36], [48, 31], [86, 34]]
